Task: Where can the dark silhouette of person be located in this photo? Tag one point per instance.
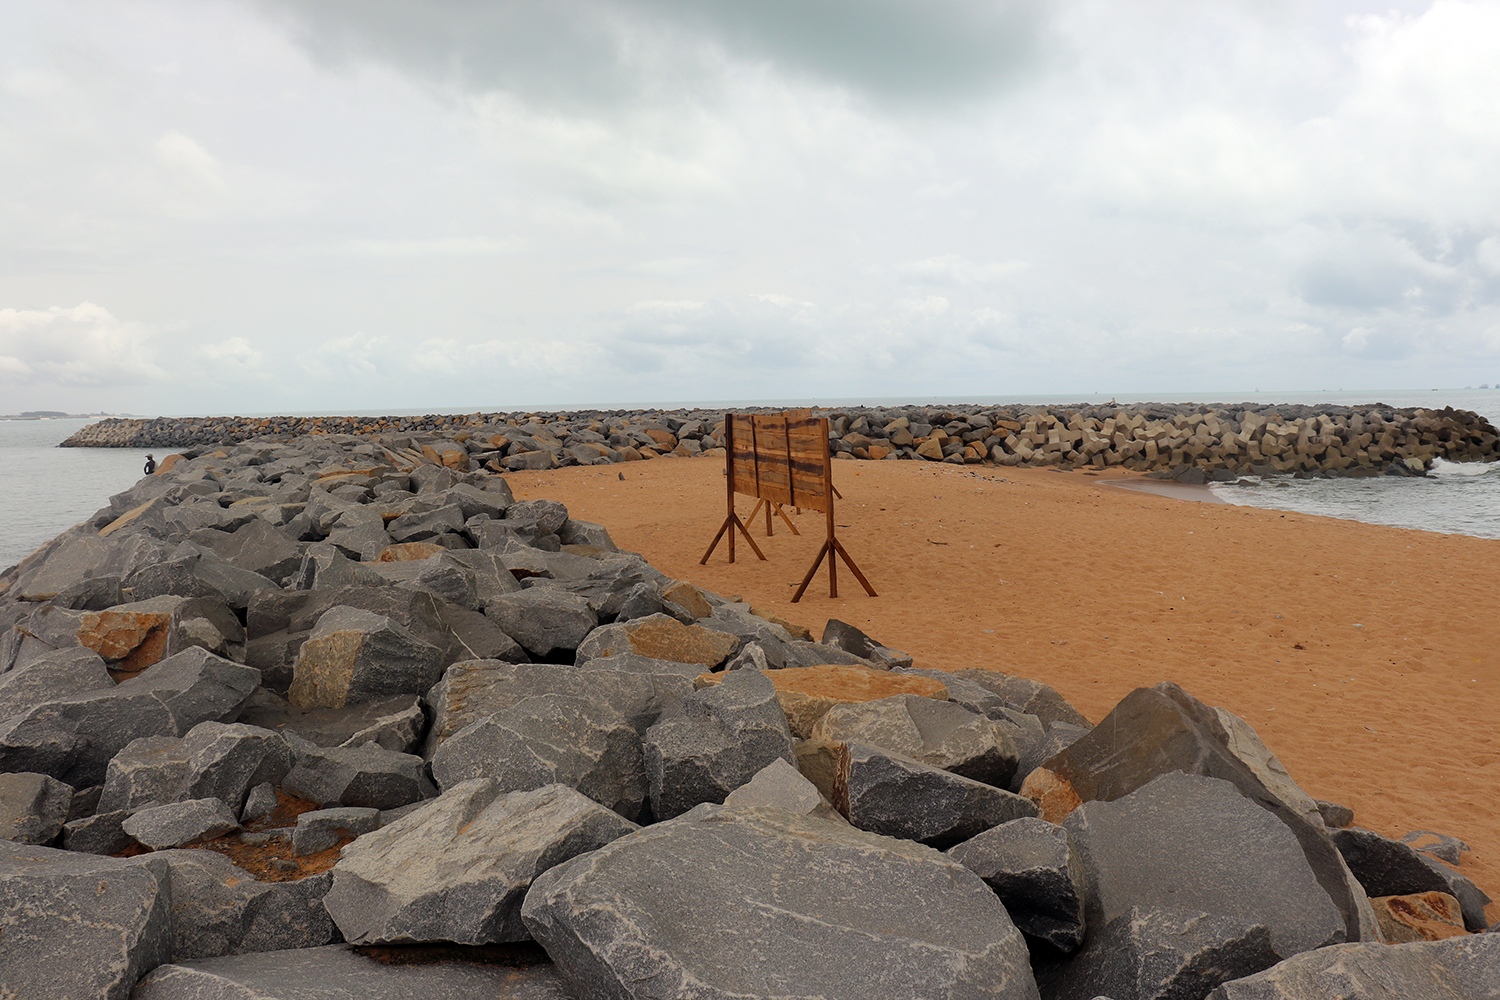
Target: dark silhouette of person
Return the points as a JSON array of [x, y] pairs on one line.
[[150, 464]]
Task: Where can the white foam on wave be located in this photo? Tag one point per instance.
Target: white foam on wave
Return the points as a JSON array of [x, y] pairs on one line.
[[1443, 467]]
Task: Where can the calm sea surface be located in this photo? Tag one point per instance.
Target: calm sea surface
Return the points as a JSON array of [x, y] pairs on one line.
[[47, 489]]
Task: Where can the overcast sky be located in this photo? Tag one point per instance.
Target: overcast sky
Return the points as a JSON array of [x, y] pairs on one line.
[[234, 206]]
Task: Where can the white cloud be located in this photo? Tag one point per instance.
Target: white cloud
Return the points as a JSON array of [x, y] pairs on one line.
[[386, 203], [1357, 339], [190, 161], [448, 246], [955, 269], [235, 352], [82, 345]]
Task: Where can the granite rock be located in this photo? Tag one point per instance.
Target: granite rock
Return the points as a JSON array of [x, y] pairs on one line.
[[33, 807], [662, 913], [354, 655], [178, 823], [458, 868], [1032, 866], [550, 739], [335, 972], [939, 733], [718, 740], [110, 917]]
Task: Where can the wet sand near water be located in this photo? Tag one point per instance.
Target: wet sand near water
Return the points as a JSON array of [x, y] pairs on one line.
[[1366, 657]]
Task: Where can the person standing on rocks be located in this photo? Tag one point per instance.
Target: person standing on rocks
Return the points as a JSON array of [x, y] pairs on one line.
[[150, 467]]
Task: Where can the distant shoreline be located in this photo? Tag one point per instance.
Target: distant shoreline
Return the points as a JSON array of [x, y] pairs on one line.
[[51, 415]]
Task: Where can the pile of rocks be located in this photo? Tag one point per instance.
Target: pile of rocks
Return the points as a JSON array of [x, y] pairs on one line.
[[463, 746], [1193, 443]]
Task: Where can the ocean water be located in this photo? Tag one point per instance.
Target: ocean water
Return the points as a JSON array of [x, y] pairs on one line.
[[47, 489]]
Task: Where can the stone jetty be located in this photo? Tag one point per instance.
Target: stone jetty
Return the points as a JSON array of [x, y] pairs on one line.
[[336, 716], [1192, 443]]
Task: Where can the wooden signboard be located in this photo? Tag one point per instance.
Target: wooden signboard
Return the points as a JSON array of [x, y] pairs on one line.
[[782, 459]]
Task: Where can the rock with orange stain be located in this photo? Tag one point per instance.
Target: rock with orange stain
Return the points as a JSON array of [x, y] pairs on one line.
[[354, 655], [131, 637], [219, 908], [938, 733], [1423, 916], [660, 637], [807, 693], [410, 551]]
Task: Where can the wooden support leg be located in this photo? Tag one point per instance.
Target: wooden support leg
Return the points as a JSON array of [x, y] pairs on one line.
[[839, 547], [826, 550], [731, 524], [715, 543], [782, 512], [756, 510], [833, 568], [746, 532]]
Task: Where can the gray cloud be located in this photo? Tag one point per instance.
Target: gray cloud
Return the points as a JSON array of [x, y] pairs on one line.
[[607, 52], [289, 204]]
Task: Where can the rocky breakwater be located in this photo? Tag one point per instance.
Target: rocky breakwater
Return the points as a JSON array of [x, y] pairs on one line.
[[289, 721], [1194, 443]]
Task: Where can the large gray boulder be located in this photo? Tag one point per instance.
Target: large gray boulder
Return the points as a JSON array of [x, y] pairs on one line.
[[889, 793], [442, 576], [546, 740], [633, 663], [545, 620], [1458, 968], [1389, 868], [721, 736], [335, 972], [322, 829], [1164, 730], [74, 738], [458, 868], [69, 557], [1025, 695], [194, 572], [258, 546], [326, 566], [548, 515], [396, 722], [492, 579], [355, 655], [278, 621], [1033, 868], [33, 807], [214, 760], [178, 823], [102, 923], [939, 733], [779, 785], [367, 775], [476, 689], [219, 908], [1193, 843], [427, 525], [852, 640], [101, 833], [55, 674], [728, 903], [361, 542], [661, 637], [1159, 955]]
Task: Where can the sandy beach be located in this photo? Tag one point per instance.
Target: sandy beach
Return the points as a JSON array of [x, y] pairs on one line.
[[1365, 656]]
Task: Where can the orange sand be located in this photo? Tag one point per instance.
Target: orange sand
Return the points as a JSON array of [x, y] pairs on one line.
[[1366, 657]]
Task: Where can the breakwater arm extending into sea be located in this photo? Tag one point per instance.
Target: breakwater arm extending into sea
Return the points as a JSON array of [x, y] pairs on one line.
[[1191, 442]]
